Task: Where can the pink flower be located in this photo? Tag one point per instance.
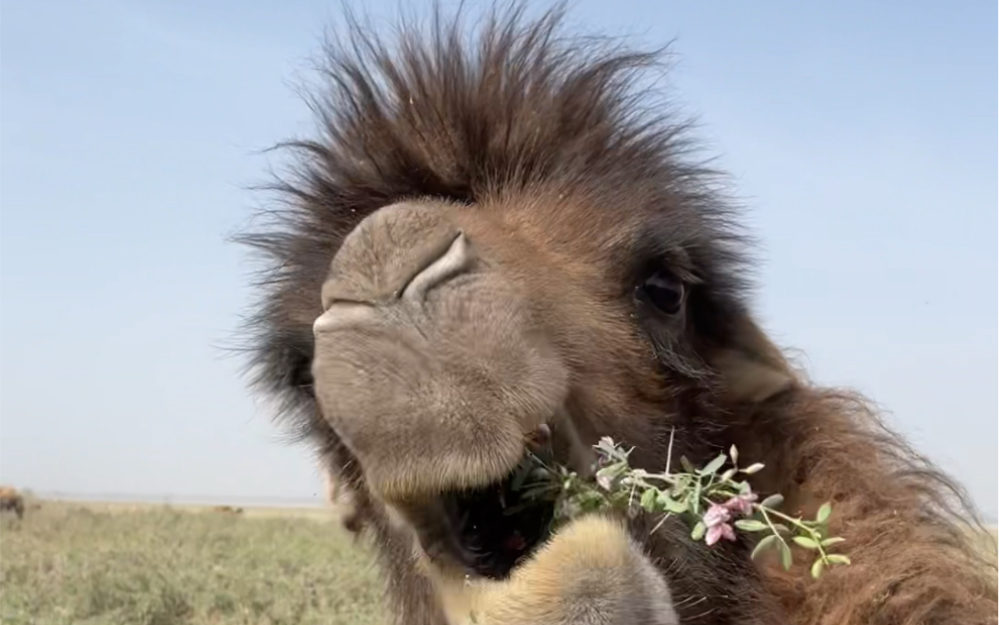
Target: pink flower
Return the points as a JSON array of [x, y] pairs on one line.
[[741, 504], [716, 515], [716, 519], [717, 532]]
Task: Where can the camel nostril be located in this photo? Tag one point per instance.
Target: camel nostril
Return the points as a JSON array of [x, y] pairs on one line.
[[457, 259]]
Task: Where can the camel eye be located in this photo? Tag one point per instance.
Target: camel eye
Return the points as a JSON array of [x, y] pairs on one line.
[[664, 291]]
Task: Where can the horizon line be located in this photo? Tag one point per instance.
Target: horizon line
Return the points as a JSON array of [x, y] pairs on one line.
[[175, 498]]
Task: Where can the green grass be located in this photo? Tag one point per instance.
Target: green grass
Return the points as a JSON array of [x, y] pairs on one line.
[[118, 564], [95, 565]]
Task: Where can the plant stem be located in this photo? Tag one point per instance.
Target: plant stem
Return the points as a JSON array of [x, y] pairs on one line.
[[813, 534], [773, 529]]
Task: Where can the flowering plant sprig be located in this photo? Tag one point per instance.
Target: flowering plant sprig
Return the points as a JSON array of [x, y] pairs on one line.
[[714, 502]]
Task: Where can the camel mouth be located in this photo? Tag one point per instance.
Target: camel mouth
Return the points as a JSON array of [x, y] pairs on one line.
[[488, 531], [497, 527]]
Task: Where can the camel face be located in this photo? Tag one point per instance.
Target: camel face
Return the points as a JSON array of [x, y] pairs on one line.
[[493, 242]]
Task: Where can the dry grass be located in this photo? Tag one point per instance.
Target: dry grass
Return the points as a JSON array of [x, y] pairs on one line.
[[150, 565], [134, 564]]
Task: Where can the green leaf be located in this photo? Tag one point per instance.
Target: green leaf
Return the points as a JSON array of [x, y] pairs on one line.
[[541, 473], [672, 505], [689, 468], [763, 545], [837, 558], [751, 525], [753, 468], [695, 499], [817, 568], [680, 485], [785, 555], [518, 478], [649, 500], [712, 467], [773, 501], [698, 532], [824, 512], [781, 528], [538, 492], [806, 542], [613, 470], [832, 541]]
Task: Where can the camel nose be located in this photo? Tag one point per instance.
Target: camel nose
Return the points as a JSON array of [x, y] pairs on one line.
[[435, 269], [401, 251], [457, 259]]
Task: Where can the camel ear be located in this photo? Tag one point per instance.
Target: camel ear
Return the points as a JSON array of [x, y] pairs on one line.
[[752, 367]]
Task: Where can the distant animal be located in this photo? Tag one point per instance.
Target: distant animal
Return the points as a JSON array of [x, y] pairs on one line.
[[501, 235], [227, 510], [10, 499]]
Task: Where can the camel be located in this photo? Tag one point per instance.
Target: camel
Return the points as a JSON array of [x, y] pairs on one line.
[[10, 499], [496, 236]]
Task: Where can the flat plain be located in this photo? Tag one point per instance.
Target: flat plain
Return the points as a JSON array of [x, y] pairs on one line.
[[139, 564], [125, 564]]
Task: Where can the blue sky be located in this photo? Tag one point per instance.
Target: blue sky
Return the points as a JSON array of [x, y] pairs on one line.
[[859, 135]]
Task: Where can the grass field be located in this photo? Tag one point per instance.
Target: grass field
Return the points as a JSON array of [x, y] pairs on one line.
[[118, 564], [144, 565]]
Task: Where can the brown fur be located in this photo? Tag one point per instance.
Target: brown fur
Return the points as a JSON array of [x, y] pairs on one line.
[[10, 499], [570, 186], [613, 567], [341, 499]]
